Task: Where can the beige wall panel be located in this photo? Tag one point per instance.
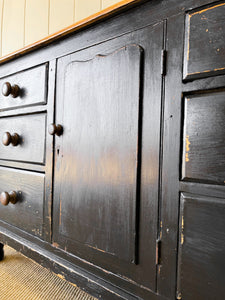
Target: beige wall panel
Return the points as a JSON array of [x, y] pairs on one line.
[[1, 14], [36, 20], [61, 14], [85, 8], [106, 3], [13, 25]]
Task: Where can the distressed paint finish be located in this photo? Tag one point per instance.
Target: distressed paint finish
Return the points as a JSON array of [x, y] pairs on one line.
[[100, 180], [201, 268], [104, 163], [163, 141], [205, 27], [27, 213], [31, 147], [204, 145], [31, 93]]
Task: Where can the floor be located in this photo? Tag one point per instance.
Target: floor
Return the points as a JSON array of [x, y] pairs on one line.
[[23, 279]]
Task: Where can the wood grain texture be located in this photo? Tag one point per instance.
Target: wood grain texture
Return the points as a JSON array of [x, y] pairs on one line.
[[159, 153], [102, 179], [32, 91], [27, 213], [206, 27], [102, 182], [31, 130], [201, 254], [61, 14], [170, 159], [36, 20], [13, 22], [203, 138]]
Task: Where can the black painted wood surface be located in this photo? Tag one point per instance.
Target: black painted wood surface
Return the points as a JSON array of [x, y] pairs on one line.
[[100, 144], [204, 42], [27, 213], [202, 244], [203, 137], [101, 212], [33, 84], [153, 125], [31, 131]]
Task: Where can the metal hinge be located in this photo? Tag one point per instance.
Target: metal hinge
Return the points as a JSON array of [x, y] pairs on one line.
[[163, 62], [158, 251]]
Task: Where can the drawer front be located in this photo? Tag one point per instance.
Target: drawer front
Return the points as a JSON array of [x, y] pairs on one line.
[[203, 140], [31, 132], [32, 85], [204, 52], [201, 263], [27, 213]]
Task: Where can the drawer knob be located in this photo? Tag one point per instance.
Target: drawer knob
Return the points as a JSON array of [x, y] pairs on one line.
[[8, 89], [13, 139], [55, 129], [5, 198]]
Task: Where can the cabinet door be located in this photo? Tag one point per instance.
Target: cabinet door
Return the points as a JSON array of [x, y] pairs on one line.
[[108, 100]]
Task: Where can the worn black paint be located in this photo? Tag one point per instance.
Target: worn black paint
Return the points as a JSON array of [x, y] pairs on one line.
[[156, 133], [32, 91], [204, 42], [203, 138], [102, 157], [202, 245]]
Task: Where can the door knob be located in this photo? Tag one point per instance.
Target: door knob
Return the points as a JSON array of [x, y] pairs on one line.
[[13, 139], [55, 129], [5, 198], [8, 89]]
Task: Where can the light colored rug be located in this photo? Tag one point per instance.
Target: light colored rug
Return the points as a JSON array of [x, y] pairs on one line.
[[23, 279]]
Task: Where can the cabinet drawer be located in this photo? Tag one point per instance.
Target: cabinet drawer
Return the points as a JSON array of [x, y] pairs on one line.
[[31, 132], [203, 141], [201, 263], [205, 42], [32, 85], [27, 213]]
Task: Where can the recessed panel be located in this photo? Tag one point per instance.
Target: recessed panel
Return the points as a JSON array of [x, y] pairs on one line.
[[201, 263], [203, 138], [204, 53], [100, 143]]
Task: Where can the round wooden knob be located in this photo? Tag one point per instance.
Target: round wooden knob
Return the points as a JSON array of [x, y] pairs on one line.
[[55, 129], [5, 198], [8, 139], [8, 89]]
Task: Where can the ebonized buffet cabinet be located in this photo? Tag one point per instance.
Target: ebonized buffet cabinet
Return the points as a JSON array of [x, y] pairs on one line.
[[112, 153]]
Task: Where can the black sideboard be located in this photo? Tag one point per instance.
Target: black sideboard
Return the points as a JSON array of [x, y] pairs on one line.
[[112, 152]]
